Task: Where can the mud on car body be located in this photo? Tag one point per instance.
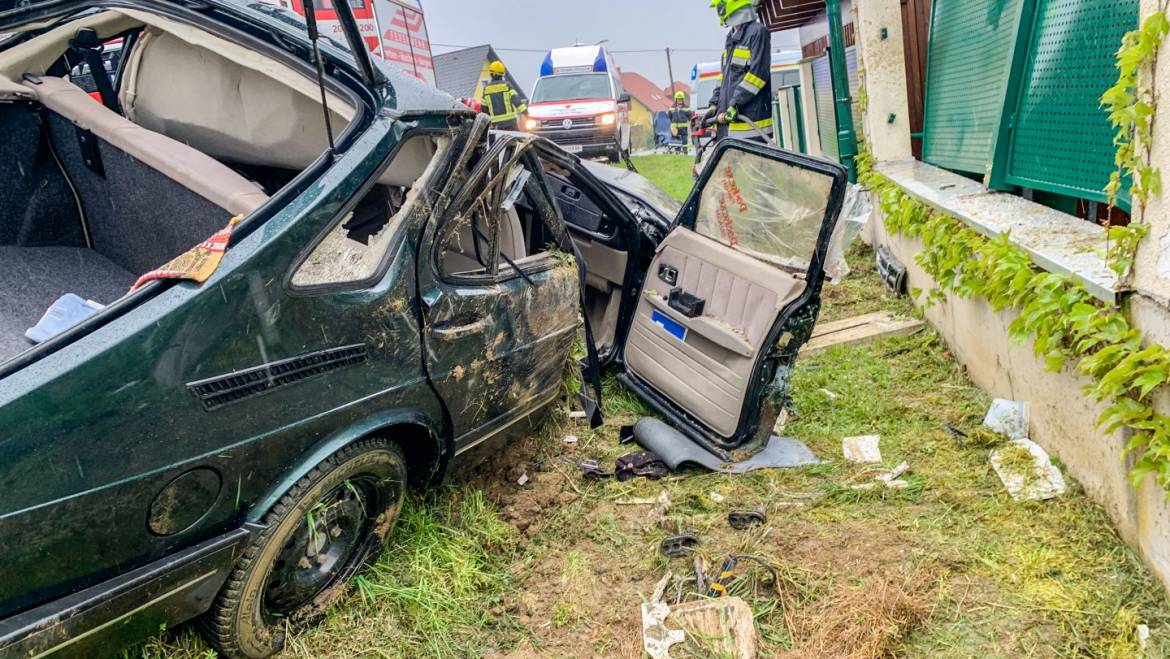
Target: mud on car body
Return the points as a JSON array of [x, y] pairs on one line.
[[234, 450]]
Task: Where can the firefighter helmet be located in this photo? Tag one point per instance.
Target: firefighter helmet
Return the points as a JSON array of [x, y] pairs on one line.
[[497, 68], [680, 95], [725, 8]]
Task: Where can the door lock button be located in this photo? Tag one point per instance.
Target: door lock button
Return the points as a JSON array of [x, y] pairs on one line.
[[668, 274]]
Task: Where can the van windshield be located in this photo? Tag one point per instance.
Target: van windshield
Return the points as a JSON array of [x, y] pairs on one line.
[[572, 87]]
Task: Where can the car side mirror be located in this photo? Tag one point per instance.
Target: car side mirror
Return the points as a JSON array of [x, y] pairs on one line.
[[624, 98]]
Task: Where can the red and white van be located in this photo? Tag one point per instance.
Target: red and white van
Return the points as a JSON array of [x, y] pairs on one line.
[[578, 103]]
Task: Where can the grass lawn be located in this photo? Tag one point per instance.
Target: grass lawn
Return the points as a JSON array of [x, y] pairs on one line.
[[671, 173], [950, 566]]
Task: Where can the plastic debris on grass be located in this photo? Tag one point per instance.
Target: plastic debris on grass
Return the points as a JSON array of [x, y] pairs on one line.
[[723, 627], [1008, 417], [862, 449], [1026, 471]]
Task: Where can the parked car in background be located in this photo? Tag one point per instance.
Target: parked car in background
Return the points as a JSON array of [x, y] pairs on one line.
[[578, 102], [283, 335]]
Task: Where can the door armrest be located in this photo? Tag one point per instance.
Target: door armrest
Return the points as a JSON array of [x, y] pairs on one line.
[[709, 328]]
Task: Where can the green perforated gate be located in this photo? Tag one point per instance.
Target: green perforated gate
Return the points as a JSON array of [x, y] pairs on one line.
[[1061, 140], [966, 80], [826, 107], [826, 111]]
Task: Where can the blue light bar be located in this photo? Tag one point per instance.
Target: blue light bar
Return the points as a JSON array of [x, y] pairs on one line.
[[546, 67]]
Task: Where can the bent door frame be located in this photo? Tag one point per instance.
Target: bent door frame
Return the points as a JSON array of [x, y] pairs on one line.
[[792, 328]]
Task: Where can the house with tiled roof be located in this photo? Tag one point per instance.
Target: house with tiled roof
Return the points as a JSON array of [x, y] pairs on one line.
[[646, 98], [679, 86], [461, 73]]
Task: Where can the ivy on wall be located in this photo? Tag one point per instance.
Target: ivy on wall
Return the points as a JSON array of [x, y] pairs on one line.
[[1064, 321], [1066, 324], [1132, 104]]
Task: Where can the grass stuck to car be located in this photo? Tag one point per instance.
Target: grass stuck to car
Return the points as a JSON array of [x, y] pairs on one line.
[[237, 345], [949, 566]]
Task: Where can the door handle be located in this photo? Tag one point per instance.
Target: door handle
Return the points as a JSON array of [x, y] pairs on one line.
[[450, 332]]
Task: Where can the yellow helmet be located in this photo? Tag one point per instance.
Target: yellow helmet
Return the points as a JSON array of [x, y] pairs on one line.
[[497, 68], [680, 95], [725, 8]]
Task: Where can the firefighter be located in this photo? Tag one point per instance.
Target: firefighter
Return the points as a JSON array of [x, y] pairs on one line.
[[680, 119], [745, 91], [501, 101]]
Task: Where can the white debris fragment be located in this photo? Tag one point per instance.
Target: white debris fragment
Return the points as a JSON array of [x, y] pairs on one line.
[[656, 637], [891, 479], [829, 394], [1143, 637], [1008, 417], [577, 414], [894, 474], [716, 497], [862, 449], [661, 504], [570, 439], [523, 479], [781, 422], [1026, 471]]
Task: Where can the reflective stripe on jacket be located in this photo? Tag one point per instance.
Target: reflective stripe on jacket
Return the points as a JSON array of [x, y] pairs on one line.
[[746, 83], [500, 101]]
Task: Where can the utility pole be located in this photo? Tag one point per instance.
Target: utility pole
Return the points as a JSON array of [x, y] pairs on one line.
[[670, 71], [846, 138]]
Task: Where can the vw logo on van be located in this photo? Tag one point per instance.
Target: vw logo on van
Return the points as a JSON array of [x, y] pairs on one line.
[[567, 124]]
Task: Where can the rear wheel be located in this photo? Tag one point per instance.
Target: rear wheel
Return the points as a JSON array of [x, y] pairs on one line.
[[321, 532]]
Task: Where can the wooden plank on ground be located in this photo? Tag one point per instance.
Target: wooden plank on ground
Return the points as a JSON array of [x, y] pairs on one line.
[[859, 329]]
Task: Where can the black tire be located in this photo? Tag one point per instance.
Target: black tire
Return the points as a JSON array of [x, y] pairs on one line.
[[333, 521], [613, 157]]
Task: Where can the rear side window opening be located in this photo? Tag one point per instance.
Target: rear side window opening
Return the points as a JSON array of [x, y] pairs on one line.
[[356, 247]]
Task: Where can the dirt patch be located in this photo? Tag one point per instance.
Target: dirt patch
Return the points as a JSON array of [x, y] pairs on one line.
[[863, 620]]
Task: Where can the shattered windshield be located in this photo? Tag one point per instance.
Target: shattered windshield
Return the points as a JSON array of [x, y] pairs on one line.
[[769, 209], [572, 87]]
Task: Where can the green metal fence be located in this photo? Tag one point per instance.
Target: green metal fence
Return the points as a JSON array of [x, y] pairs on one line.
[[968, 62], [1013, 91], [825, 108], [1061, 140]]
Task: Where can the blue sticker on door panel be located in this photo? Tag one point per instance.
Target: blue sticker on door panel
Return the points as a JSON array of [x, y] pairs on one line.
[[671, 326]]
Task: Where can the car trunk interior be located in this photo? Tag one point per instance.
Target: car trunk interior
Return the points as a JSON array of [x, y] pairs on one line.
[[203, 129]]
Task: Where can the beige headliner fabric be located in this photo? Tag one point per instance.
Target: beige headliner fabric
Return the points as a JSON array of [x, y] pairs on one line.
[[37, 55], [222, 98], [190, 168], [228, 110]]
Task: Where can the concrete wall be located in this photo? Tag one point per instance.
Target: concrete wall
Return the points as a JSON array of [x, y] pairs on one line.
[[1152, 266], [1063, 418], [884, 64]]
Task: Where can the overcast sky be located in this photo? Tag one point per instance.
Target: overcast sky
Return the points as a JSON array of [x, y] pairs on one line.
[[683, 25]]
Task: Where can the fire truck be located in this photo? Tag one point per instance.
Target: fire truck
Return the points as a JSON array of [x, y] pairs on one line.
[[395, 30]]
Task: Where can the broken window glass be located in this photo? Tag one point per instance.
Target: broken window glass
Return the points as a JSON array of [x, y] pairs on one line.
[[769, 209]]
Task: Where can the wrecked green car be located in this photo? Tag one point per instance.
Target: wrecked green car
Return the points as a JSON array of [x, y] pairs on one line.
[[287, 323]]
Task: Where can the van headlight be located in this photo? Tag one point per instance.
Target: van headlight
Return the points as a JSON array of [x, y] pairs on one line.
[[531, 124], [608, 119]]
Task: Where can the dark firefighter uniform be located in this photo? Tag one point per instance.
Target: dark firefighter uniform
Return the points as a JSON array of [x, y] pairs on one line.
[[501, 101], [680, 119], [745, 91]]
